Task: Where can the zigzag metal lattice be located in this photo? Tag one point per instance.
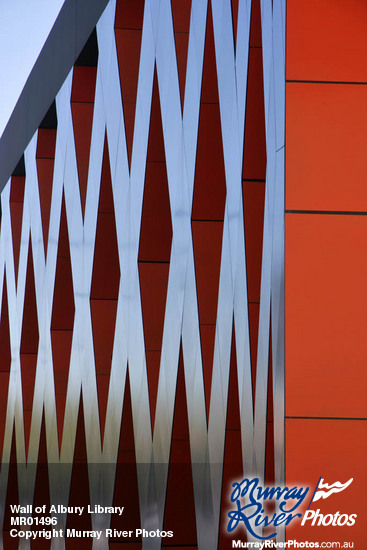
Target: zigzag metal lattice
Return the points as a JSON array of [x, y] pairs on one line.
[[180, 130]]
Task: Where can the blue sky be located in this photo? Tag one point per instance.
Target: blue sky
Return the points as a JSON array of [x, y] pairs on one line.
[[24, 26]]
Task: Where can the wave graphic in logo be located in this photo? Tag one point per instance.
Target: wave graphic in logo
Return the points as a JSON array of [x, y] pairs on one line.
[[336, 487]]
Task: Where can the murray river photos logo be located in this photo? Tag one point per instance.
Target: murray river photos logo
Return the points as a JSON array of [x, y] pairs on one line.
[[249, 499]]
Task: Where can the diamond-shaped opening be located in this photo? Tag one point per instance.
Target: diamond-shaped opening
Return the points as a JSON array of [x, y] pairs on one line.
[[210, 183], [255, 29], [105, 285], [207, 242], [232, 467], [82, 106], [126, 485], [253, 315], [181, 12], [208, 205], [253, 202], [5, 362], [82, 122], [42, 488], [153, 289], [103, 382], [270, 409], [254, 154], [156, 151], [45, 157], [207, 335], [128, 31], [106, 267], [253, 185], [209, 85], [62, 319], [154, 246], [234, 5], [233, 405], [180, 472], [129, 15], [269, 453], [12, 494], [29, 343], [269, 448], [79, 487], [16, 201]]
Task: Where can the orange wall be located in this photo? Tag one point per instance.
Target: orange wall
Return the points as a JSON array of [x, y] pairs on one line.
[[325, 263]]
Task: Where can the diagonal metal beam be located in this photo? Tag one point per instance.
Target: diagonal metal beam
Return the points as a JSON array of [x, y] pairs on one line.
[[75, 22]]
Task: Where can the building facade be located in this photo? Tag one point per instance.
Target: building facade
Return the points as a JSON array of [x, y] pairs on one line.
[[177, 245]]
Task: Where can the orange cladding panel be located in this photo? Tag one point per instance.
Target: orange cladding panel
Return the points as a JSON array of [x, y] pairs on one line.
[[331, 449], [326, 321], [327, 40], [326, 160]]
